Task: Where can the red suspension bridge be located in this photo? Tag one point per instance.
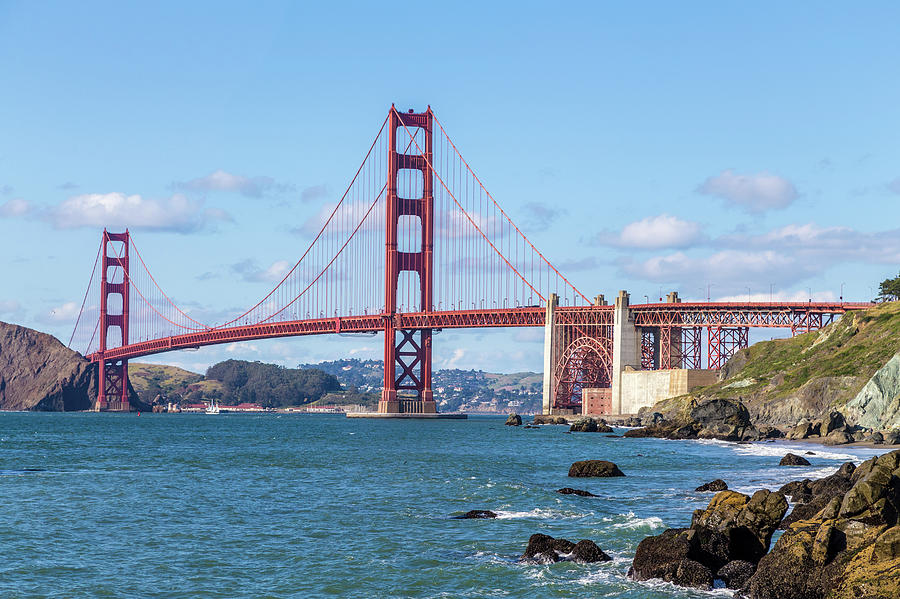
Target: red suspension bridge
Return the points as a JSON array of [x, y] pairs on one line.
[[416, 244]]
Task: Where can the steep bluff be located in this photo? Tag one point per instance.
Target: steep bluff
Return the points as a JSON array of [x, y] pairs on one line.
[[37, 372]]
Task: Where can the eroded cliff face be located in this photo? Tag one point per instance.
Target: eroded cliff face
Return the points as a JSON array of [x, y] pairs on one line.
[[39, 373]]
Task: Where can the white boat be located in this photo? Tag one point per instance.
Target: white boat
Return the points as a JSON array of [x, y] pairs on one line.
[[212, 408]]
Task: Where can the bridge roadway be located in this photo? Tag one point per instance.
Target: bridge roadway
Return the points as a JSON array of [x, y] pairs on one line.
[[793, 315]]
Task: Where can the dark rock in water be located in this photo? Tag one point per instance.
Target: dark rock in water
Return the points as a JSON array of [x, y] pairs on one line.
[[716, 486], [810, 453], [590, 425], [770, 432], [514, 420], [579, 492], [723, 419], [476, 514], [791, 459], [632, 421], [537, 544], [587, 552], [549, 419], [736, 573], [594, 468], [850, 548], [613, 436], [545, 549]]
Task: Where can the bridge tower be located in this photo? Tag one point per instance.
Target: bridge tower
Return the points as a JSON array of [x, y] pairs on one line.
[[112, 394], [407, 352]]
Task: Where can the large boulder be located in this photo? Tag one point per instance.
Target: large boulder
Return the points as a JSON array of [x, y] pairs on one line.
[[513, 420], [736, 573], [587, 552], [832, 422], [672, 556], [723, 419], [791, 459], [748, 522], [850, 548], [837, 437], [714, 486], [804, 430], [594, 468]]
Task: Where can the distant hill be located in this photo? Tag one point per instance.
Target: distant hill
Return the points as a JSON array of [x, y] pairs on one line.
[[232, 382], [454, 389]]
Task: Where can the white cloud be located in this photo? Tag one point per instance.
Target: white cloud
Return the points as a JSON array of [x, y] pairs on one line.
[[242, 347], [67, 312], [9, 307], [755, 193], [314, 193], [219, 180], [728, 268], [176, 213], [538, 217], [14, 207], [653, 232], [250, 271], [796, 296], [824, 245]]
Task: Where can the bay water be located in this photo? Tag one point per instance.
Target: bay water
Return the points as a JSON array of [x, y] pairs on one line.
[[279, 505]]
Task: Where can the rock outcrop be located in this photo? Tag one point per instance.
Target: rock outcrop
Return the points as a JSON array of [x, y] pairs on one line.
[[811, 496], [849, 549], [594, 468], [724, 541], [39, 373], [513, 420], [877, 405], [549, 419], [590, 425], [723, 419]]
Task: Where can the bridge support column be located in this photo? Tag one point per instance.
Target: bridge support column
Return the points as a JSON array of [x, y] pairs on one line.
[[112, 392], [550, 342], [626, 349], [407, 352]]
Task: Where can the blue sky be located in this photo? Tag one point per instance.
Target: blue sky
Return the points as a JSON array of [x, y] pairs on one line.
[[668, 145]]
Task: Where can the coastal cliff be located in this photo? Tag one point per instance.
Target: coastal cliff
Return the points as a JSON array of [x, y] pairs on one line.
[[39, 373], [851, 366]]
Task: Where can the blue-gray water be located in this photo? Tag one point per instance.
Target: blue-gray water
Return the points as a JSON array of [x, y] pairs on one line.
[[325, 506]]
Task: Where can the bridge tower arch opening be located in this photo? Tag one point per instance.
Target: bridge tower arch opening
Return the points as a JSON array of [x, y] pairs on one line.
[[586, 363]]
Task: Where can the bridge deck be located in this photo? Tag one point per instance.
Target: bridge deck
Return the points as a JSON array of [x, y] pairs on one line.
[[768, 314]]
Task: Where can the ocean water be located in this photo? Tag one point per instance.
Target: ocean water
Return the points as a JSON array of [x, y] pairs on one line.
[[234, 505]]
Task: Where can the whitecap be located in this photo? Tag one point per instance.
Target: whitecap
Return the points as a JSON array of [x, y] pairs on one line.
[[536, 513]]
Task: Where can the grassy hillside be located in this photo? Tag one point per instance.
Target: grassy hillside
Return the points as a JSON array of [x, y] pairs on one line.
[[150, 380], [784, 380]]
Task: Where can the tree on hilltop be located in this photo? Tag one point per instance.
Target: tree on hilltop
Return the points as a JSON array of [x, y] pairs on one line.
[[889, 290]]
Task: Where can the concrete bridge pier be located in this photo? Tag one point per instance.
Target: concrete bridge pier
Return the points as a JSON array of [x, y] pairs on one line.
[[549, 353], [626, 349]]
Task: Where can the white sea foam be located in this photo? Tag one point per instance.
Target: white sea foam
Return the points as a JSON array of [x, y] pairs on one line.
[[781, 448], [630, 521], [537, 513]]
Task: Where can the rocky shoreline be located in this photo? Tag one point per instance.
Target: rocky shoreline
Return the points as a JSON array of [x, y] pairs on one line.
[[840, 535]]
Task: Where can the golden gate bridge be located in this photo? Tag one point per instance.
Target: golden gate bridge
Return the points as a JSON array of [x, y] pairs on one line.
[[417, 244]]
